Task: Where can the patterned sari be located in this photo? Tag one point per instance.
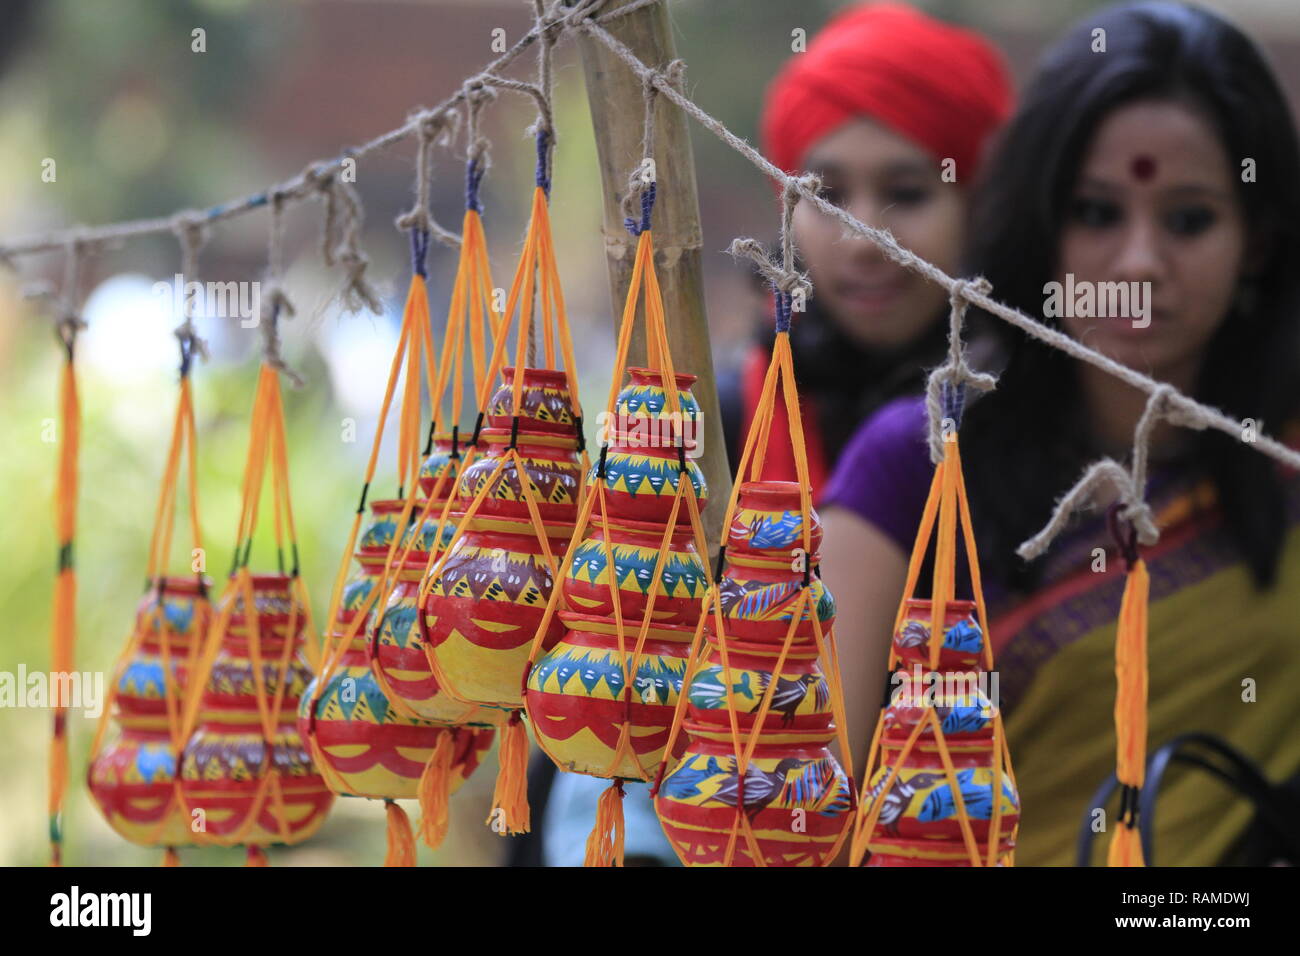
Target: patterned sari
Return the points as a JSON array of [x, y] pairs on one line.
[[1224, 659]]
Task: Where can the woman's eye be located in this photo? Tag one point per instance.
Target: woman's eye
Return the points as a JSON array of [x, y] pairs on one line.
[[906, 195], [832, 194], [1190, 220], [1095, 213]]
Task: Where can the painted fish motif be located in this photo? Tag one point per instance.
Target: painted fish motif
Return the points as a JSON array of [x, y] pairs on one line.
[[684, 782], [939, 804], [708, 693], [964, 636], [774, 534]]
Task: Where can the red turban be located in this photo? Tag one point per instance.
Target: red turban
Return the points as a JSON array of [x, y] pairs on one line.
[[942, 87]]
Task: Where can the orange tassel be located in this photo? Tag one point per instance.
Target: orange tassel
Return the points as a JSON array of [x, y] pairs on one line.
[[1131, 712], [435, 793], [63, 618], [510, 798], [401, 841], [171, 857], [256, 857], [601, 850]]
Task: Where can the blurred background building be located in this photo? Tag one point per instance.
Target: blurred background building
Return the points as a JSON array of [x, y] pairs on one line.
[[139, 125]]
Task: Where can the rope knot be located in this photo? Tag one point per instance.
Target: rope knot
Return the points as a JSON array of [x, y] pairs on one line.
[[945, 391], [580, 12]]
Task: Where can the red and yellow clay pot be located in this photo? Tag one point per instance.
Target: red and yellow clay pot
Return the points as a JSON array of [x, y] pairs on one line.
[[801, 700], [578, 699], [545, 406], [226, 763], [635, 548], [485, 605], [963, 641], [133, 779], [797, 799], [768, 523], [550, 464]]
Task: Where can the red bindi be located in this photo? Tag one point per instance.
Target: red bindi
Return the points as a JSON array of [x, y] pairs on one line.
[[1144, 167]]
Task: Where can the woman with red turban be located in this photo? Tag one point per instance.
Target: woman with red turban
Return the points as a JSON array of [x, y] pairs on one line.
[[893, 110]]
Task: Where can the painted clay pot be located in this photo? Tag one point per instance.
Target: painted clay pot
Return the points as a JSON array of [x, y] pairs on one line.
[[757, 597], [545, 406], [552, 468], [963, 641], [801, 700], [367, 747], [226, 759], [635, 548], [768, 523], [918, 823], [641, 482], [642, 415], [790, 771], [132, 779], [484, 608], [577, 698], [396, 651], [440, 465]]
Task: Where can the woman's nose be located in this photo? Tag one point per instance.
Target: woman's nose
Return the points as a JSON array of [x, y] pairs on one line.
[[1141, 256]]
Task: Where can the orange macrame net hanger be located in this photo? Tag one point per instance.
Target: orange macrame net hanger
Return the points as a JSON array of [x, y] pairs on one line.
[[605, 845], [780, 375], [946, 508]]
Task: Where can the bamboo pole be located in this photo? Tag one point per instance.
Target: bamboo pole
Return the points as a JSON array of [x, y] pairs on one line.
[[617, 112]]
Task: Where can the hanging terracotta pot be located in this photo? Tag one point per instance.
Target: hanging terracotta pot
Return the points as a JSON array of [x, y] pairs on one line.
[[801, 700], [372, 750], [641, 482], [963, 641], [440, 464], [918, 821], [758, 596], [226, 760], [550, 462], [546, 405], [369, 747], [635, 547], [578, 702], [768, 523], [395, 649], [485, 606], [132, 780], [795, 795], [642, 414]]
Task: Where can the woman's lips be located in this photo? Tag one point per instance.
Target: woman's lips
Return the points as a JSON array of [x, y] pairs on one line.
[[871, 296]]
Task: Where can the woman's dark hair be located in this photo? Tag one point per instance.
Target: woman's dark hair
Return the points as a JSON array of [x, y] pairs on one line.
[[1027, 441]]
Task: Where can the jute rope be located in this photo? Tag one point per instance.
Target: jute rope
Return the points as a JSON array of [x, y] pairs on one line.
[[1129, 484], [638, 183], [192, 234], [435, 126], [562, 20], [946, 386], [275, 303]]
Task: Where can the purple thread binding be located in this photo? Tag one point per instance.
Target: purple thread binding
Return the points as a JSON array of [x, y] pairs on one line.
[[543, 138], [783, 302], [473, 176], [420, 252], [647, 204], [953, 399]]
